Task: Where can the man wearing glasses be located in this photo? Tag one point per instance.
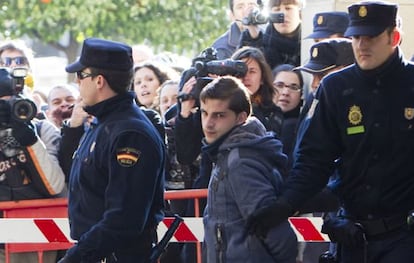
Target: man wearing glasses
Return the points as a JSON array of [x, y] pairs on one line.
[[116, 181], [15, 54]]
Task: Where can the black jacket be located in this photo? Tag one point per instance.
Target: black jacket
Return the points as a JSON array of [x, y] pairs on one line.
[[277, 49]]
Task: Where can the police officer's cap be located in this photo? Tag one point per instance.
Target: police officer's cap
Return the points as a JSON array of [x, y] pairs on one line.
[[329, 54], [371, 18], [103, 54], [326, 24]]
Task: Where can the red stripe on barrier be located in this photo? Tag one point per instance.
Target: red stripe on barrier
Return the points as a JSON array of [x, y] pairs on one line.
[[306, 229], [183, 233], [50, 230]]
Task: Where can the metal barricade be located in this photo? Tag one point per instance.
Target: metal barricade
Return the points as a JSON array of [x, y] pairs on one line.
[[39, 208], [195, 194], [42, 225]]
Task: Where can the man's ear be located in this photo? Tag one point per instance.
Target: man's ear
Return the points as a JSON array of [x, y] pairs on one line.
[[242, 117], [100, 81], [396, 38]]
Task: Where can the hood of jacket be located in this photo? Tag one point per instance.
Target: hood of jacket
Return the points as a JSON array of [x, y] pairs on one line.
[[252, 135]]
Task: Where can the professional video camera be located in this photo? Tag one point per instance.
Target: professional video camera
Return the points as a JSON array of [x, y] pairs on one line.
[[256, 17], [17, 108], [206, 63]]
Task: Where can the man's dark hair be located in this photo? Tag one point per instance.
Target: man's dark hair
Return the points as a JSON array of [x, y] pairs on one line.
[[231, 89], [273, 3], [231, 3], [119, 81]]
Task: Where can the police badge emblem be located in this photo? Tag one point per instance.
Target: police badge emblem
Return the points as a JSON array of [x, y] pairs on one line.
[[320, 20], [355, 115], [362, 12]]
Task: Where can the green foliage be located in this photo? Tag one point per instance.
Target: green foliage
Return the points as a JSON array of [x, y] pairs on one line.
[[181, 26]]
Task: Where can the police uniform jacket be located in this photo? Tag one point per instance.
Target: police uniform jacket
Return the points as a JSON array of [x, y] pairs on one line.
[[366, 119], [245, 177], [116, 183]]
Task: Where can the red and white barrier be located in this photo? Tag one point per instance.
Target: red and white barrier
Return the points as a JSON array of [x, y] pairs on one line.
[[47, 230]]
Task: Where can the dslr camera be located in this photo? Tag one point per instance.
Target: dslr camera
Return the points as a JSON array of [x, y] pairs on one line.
[[256, 17], [206, 63], [17, 108]]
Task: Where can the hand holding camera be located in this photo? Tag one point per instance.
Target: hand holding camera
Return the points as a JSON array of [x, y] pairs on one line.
[[188, 105], [24, 133]]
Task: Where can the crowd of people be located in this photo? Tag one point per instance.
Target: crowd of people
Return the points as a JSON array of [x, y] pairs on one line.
[[265, 143]]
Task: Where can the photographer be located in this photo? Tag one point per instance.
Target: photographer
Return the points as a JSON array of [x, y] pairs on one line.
[[227, 43], [255, 75], [28, 152], [281, 40]]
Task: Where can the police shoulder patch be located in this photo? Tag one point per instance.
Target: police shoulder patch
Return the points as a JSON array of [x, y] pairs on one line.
[[127, 157]]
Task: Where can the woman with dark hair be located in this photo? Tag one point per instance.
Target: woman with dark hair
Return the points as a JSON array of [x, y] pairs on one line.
[[289, 85], [258, 81], [148, 78]]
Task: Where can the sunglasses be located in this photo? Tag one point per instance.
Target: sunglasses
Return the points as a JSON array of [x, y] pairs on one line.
[[281, 85], [83, 75], [7, 61]]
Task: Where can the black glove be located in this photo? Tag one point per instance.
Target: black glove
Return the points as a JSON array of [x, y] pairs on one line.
[[72, 256], [24, 133], [5, 112], [265, 218], [344, 231]]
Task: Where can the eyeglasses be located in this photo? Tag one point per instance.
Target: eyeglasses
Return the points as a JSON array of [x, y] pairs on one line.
[[281, 85], [7, 61], [83, 75]]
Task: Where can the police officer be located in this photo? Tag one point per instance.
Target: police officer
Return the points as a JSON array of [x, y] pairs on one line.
[[116, 180], [329, 25], [363, 115]]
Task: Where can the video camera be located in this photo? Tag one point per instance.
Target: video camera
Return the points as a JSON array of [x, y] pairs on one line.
[[256, 17], [17, 108], [206, 63]]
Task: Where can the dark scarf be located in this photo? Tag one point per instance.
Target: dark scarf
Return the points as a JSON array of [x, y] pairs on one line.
[[280, 49]]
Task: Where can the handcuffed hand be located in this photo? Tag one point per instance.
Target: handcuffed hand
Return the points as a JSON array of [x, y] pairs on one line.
[[344, 231], [265, 218], [24, 133]]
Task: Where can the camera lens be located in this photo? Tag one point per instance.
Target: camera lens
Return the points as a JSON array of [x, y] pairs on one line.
[[24, 110]]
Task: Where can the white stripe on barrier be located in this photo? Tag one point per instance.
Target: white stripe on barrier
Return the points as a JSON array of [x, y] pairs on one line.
[[38, 230]]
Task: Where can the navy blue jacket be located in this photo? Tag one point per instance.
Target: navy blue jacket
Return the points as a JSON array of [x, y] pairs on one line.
[[227, 43], [245, 177], [366, 119], [116, 183]]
